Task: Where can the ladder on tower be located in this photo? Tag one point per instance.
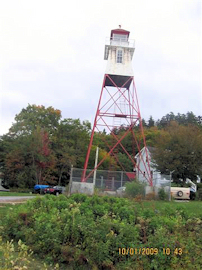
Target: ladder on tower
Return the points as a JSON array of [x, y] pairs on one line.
[[120, 111]]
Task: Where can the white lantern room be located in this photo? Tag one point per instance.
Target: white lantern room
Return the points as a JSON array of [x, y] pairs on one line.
[[118, 53]]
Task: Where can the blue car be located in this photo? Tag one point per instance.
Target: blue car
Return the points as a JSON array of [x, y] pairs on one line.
[[40, 188]]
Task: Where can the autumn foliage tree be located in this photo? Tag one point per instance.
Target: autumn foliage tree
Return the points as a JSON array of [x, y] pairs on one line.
[[40, 146], [44, 158], [26, 156]]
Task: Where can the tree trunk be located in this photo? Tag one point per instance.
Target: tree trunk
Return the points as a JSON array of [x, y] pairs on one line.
[[34, 168], [61, 172]]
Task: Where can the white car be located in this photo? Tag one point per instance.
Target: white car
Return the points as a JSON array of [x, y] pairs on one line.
[[180, 193]]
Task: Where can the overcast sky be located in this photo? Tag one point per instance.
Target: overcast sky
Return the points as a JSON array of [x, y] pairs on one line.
[[52, 54]]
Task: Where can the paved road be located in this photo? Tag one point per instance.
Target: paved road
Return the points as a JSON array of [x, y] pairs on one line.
[[5, 199]]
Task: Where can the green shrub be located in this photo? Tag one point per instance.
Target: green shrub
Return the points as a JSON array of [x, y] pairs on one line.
[[86, 232], [9, 259], [77, 197], [199, 194], [199, 185], [18, 256], [135, 188], [162, 194]]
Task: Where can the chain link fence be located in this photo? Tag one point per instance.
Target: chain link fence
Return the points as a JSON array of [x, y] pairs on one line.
[[110, 181], [161, 186], [100, 179]]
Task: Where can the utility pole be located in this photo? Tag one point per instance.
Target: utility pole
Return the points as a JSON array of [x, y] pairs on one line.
[[96, 159]]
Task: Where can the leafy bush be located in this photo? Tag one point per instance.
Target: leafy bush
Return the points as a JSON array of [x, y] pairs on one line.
[[79, 197], [135, 188], [10, 260], [83, 232], [18, 256], [162, 194], [199, 185], [199, 194]]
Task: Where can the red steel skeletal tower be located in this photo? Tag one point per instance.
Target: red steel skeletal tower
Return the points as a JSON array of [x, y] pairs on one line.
[[118, 103]]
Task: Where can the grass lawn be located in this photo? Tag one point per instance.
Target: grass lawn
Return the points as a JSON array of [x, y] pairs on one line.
[[8, 193], [194, 208]]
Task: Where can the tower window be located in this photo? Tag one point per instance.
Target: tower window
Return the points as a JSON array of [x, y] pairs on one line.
[[120, 37], [119, 56]]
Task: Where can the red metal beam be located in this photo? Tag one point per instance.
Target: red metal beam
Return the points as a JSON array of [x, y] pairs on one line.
[[117, 159], [107, 154], [130, 118], [92, 134]]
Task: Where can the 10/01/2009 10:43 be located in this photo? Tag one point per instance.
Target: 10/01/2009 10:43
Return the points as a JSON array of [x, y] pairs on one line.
[[149, 251]]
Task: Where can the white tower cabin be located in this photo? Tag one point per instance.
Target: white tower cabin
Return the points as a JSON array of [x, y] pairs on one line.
[[119, 52]]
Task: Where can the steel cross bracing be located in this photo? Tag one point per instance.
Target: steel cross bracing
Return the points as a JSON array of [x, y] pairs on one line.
[[109, 108]]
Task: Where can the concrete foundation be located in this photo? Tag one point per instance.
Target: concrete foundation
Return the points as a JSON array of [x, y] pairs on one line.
[[78, 187]]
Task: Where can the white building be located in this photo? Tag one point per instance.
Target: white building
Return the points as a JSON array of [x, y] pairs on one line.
[[158, 178], [143, 164]]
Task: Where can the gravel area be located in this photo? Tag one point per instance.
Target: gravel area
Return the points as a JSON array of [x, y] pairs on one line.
[[15, 199]]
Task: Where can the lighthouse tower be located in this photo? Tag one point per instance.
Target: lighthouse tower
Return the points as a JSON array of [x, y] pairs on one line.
[[118, 106]]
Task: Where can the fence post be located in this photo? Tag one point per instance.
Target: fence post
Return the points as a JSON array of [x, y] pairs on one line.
[[169, 195], [112, 183], [70, 181], [96, 159], [101, 181], [121, 178]]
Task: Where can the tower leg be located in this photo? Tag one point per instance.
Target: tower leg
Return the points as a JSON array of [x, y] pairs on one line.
[[92, 134], [105, 117]]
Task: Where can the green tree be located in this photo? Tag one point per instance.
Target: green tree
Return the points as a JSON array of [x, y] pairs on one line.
[[70, 144], [151, 122], [182, 119], [191, 118], [144, 124], [77, 137], [29, 161], [179, 148], [26, 156], [34, 116], [151, 135]]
